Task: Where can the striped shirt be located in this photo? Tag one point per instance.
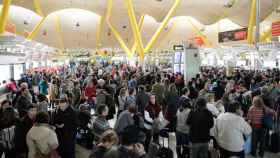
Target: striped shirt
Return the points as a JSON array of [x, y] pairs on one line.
[[256, 114]]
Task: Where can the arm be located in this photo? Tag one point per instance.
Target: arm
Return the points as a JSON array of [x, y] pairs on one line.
[[189, 120], [147, 117], [246, 128]]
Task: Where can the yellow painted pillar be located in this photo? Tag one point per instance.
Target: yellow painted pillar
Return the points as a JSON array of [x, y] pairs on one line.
[[162, 26], [140, 24], [36, 29], [114, 30], [4, 15], [38, 8], [266, 35], [252, 22], [135, 29]]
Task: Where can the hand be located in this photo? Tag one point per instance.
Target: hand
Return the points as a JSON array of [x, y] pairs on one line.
[[139, 148], [59, 126]]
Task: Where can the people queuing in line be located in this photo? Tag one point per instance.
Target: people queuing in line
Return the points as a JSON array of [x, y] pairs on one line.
[[60, 103]]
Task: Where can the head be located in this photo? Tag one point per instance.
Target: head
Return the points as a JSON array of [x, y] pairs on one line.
[[109, 138], [131, 91], [201, 103], [123, 92], [42, 97], [234, 107], [132, 108], [172, 88], [9, 116], [102, 110], [63, 102], [32, 111], [258, 101], [142, 88], [42, 117], [5, 104], [185, 91]]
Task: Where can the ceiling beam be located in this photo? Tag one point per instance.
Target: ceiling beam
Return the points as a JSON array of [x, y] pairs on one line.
[[5, 15]]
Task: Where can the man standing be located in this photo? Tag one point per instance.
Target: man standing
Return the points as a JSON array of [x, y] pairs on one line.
[[200, 121]]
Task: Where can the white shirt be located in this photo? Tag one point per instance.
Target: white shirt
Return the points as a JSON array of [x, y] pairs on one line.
[[229, 130]]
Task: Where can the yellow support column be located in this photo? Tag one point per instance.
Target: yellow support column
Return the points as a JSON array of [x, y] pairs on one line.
[[266, 35], [4, 15], [135, 29], [114, 30], [36, 29], [140, 24], [252, 22], [162, 26], [38, 8]]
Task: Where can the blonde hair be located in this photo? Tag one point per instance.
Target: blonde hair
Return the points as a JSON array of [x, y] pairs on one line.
[[109, 136], [258, 101]]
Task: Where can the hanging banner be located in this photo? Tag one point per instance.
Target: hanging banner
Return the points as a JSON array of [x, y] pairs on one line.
[[234, 35], [275, 29]]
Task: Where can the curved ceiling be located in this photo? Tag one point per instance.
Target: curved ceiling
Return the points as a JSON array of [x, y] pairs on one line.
[[80, 18]]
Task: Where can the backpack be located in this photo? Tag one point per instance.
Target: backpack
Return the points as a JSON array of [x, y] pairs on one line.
[[7, 137]]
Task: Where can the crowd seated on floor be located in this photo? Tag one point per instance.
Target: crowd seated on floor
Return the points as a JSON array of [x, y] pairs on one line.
[[212, 115]]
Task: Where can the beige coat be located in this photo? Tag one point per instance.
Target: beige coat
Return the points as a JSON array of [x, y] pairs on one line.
[[41, 138]]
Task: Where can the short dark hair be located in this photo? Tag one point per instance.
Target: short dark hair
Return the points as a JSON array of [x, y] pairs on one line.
[[42, 117], [130, 91], [101, 109], [233, 107], [185, 90], [201, 102]]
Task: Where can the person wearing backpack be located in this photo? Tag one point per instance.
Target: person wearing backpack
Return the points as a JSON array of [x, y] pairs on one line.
[[7, 132]]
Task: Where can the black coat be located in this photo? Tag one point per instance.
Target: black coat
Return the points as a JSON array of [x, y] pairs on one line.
[[200, 122], [21, 130], [67, 134], [142, 100]]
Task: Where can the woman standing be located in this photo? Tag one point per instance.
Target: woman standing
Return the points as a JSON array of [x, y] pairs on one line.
[[255, 118], [152, 112], [122, 100]]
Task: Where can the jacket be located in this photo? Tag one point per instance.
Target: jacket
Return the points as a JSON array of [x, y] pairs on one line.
[[125, 119], [142, 100], [200, 122], [21, 130], [41, 139], [66, 135]]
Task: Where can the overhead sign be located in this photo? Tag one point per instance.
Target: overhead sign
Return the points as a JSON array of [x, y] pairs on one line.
[[275, 29], [178, 47], [234, 35]]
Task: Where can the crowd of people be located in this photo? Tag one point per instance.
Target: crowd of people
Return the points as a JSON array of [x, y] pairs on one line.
[[47, 113]]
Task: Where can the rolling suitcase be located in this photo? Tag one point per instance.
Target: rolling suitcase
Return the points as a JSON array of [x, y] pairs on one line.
[[165, 152]]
